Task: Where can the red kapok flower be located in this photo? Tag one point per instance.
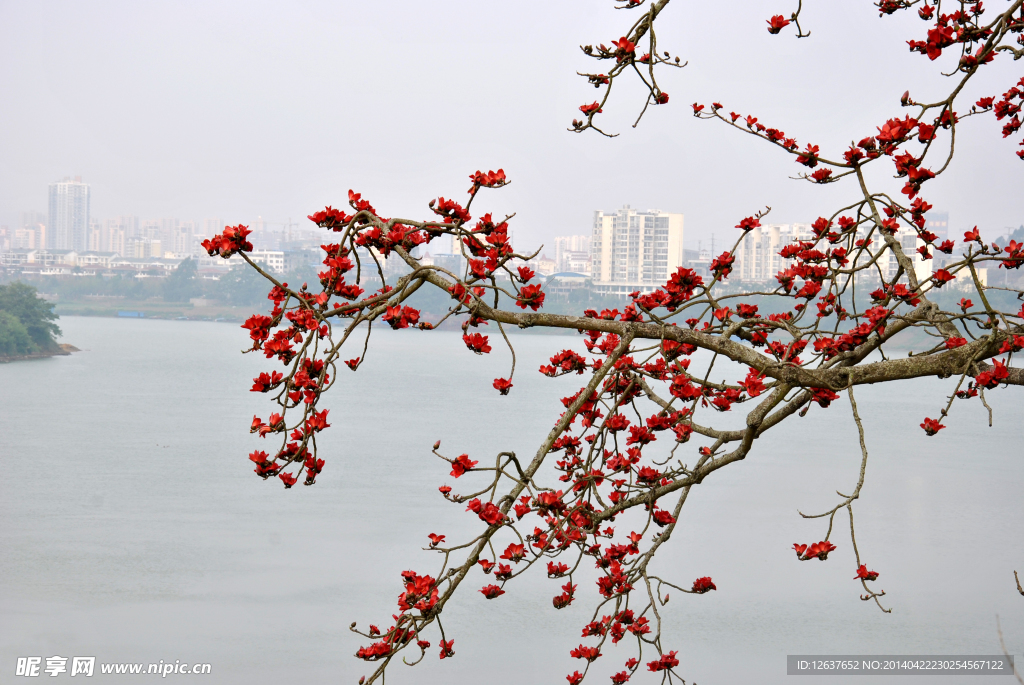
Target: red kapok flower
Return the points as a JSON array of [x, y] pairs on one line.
[[864, 574], [462, 464], [491, 591], [588, 653], [931, 426], [702, 585], [777, 23]]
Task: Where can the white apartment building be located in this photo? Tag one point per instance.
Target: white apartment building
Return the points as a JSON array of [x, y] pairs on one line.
[[142, 248], [758, 259], [69, 215], [272, 260], [634, 250], [25, 239], [576, 262], [571, 248]]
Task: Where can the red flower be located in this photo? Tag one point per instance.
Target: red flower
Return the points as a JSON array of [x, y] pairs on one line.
[[444, 490], [661, 98], [531, 296], [502, 385], [776, 24], [620, 677], [265, 382], [942, 277], [491, 591], [864, 574], [648, 476], [435, 540], [375, 651], [991, 379], [817, 549], [747, 311], [666, 662], [514, 553], [231, 241], [592, 107], [575, 678], [288, 479], [1015, 343], [822, 175], [420, 592], [972, 235], [748, 223], [625, 48], [462, 464], [492, 179], [526, 273], [556, 570], [809, 157], [721, 265], [565, 599], [446, 648], [683, 432], [954, 342], [662, 518], [477, 343], [589, 653], [823, 396], [488, 513], [702, 585]]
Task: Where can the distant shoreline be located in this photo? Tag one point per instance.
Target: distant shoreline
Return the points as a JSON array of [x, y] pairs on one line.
[[62, 350]]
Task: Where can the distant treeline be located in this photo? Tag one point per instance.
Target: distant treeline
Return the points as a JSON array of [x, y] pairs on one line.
[[247, 289], [240, 287], [26, 322]]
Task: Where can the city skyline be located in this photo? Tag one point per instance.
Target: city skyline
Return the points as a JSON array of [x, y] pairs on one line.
[[214, 142]]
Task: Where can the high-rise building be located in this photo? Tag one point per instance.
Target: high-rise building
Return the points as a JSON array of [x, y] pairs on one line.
[[32, 234], [143, 248], [571, 248], [24, 239], [937, 223], [94, 237], [758, 258], [181, 237], [69, 215], [116, 233], [634, 250], [150, 229]]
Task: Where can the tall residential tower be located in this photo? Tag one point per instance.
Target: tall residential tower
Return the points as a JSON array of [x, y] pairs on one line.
[[69, 215], [635, 250]]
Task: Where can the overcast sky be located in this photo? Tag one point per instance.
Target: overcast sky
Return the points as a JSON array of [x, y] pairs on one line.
[[246, 109]]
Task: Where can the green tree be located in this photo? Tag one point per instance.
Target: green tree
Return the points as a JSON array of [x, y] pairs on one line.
[[181, 285], [242, 288], [33, 312], [14, 338]]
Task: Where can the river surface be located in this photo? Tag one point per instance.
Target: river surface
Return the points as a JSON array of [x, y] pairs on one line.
[[134, 530]]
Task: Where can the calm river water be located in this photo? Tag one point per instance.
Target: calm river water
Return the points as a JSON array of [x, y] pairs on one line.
[[133, 529]]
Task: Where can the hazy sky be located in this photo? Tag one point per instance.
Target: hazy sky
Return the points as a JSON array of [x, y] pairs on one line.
[[233, 110]]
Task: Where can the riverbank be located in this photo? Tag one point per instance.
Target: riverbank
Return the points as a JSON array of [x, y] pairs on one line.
[[62, 350], [152, 309]]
